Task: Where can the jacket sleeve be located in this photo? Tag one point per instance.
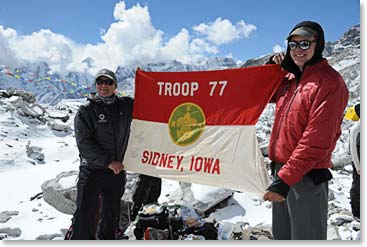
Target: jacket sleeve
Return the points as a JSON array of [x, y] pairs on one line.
[[321, 133], [84, 135], [355, 145]]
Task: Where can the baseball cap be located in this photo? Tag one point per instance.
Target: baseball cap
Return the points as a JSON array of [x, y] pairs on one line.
[[303, 31], [107, 73]]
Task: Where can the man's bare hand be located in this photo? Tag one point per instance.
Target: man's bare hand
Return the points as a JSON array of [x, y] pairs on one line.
[[273, 197], [116, 167]]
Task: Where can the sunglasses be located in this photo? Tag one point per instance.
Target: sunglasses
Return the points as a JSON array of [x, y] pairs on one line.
[[303, 45], [105, 82]]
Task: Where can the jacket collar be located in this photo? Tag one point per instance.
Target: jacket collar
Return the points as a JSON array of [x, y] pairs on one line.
[[95, 98], [308, 69]]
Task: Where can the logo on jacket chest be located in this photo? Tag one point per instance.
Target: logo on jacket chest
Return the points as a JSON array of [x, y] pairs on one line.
[[102, 118]]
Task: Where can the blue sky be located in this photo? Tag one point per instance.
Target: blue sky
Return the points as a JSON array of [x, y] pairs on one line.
[[168, 30]]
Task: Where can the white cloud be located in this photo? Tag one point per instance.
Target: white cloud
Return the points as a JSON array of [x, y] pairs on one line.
[[119, 10], [199, 45], [131, 39], [44, 45], [223, 31], [277, 48], [177, 47], [244, 29], [7, 54]]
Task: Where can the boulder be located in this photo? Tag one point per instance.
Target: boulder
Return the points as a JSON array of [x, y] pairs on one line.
[[35, 153], [62, 115], [55, 236], [6, 215], [12, 232], [59, 125], [60, 192], [31, 110], [332, 233], [201, 197], [26, 96], [4, 218]]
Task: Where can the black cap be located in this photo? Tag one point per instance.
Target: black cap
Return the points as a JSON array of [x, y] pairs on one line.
[[107, 73]]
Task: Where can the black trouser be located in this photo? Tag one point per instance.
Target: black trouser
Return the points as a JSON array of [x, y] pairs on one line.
[[99, 195], [148, 190], [355, 194]]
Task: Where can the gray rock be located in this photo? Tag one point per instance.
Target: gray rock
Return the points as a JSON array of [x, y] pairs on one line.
[[63, 199], [261, 232], [12, 232], [50, 236], [4, 218], [340, 219], [213, 196], [332, 233], [35, 153], [62, 115], [31, 110], [331, 195], [26, 96], [241, 231], [356, 226], [6, 215], [59, 125], [10, 213], [25, 108]]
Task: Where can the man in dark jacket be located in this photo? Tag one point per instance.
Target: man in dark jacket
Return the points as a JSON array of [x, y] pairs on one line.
[[102, 129], [309, 111]]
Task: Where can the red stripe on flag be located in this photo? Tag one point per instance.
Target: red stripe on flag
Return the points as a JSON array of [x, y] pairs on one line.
[[227, 97]]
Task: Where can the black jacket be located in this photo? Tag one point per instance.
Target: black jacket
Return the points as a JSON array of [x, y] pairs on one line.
[[102, 131]]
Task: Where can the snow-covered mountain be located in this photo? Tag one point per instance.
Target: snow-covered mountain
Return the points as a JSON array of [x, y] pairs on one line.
[[48, 87], [52, 87]]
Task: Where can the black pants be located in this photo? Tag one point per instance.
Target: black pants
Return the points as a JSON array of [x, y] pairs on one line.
[[99, 195], [355, 194], [148, 190]]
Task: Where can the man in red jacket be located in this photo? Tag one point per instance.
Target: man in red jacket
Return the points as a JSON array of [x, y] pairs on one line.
[[309, 110]]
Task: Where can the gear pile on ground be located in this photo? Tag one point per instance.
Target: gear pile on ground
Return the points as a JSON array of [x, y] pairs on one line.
[[172, 222]]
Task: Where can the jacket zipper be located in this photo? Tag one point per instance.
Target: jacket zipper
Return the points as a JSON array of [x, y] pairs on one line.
[[114, 133], [286, 114]]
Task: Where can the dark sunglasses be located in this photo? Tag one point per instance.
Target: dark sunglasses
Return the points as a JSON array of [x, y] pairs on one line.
[[303, 45], [105, 82]]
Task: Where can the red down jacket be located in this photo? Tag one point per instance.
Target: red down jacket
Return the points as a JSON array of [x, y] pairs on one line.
[[307, 121]]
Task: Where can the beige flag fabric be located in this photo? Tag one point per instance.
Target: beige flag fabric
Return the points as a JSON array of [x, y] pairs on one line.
[[199, 127]]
